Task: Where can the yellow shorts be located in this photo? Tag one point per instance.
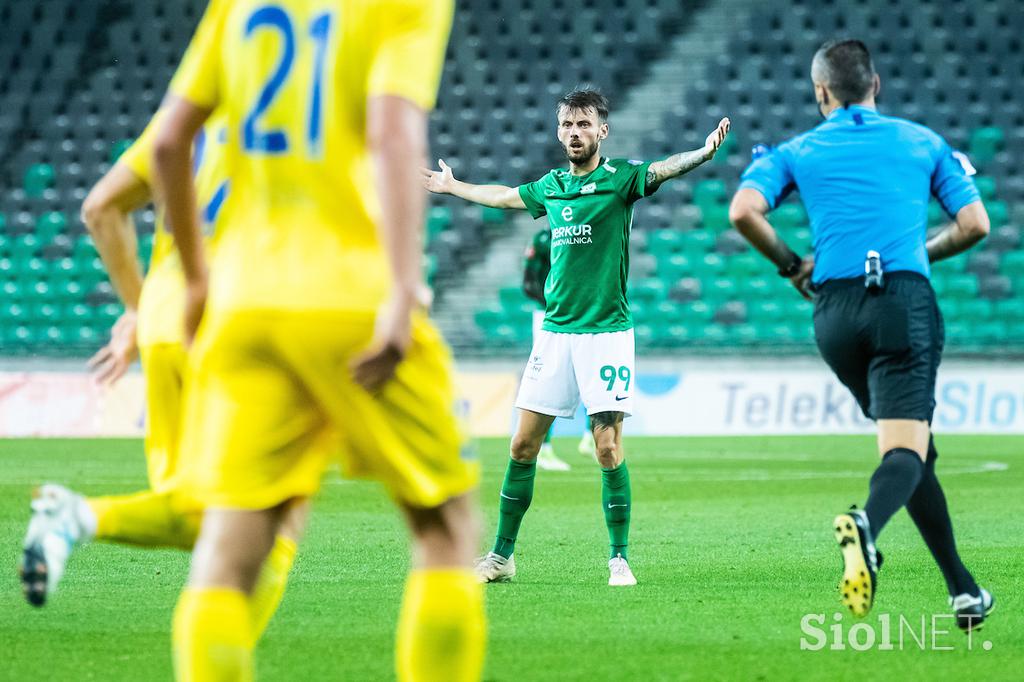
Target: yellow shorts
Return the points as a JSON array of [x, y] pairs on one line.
[[163, 368], [270, 397]]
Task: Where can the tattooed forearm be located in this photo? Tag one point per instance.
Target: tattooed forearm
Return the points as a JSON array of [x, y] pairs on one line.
[[675, 165]]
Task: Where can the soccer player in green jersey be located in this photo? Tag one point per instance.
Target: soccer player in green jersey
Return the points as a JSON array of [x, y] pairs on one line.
[[585, 347]]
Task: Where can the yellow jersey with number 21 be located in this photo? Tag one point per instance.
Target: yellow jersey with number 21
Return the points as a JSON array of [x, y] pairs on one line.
[[293, 78]]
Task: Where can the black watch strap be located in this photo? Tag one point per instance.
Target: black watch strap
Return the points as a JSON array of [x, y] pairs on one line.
[[793, 268]]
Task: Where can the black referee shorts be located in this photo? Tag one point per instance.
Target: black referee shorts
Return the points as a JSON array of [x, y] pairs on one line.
[[884, 346]]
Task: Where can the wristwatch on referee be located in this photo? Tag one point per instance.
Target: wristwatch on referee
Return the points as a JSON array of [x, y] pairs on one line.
[[793, 268]]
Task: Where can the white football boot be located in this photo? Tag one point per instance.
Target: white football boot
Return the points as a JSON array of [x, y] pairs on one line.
[[620, 575], [494, 568], [60, 520]]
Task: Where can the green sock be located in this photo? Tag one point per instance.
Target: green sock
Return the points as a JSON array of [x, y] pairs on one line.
[[516, 494], [616, 501], [547, 436]]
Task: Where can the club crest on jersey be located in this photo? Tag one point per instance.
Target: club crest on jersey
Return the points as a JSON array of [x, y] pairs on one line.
[[588, 189]]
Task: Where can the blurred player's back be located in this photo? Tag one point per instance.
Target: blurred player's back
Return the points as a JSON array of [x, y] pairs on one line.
[[294, 78]]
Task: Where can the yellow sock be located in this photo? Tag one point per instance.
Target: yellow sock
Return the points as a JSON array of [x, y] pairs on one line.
[[442, 628], [211, 636], [149, 519], [269, 589]]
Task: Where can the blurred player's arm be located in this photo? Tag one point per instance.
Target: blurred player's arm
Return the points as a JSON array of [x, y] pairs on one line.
[[497, 196], [397, 140], [684, 162], [172, 159], [970, 227], [106, 213], [748, 213]]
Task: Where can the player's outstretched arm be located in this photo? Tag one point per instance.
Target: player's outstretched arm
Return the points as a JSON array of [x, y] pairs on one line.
[[971, 226], [172, 159], [684, 162], [748, 212], [443, 182], [396, 131]]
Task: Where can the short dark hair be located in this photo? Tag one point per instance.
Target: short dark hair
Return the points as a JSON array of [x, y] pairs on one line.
[[845, 67], [585, 98]]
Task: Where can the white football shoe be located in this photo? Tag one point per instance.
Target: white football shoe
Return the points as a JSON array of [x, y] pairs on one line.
[[59, 522], [620, 575], [494, 568], [549, 461]]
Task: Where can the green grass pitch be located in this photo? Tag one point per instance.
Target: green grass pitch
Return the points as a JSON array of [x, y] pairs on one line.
[[730, 541]]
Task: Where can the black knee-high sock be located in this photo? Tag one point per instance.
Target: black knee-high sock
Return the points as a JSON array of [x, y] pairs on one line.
[[927, 508], [892, 484]]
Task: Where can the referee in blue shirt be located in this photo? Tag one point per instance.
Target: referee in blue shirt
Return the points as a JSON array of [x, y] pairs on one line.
[[866, 180]]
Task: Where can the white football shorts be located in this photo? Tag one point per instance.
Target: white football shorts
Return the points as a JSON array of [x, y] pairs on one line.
[[566, 368]]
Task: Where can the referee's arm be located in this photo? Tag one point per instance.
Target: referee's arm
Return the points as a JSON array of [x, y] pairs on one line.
[[970, 227], [747, 213]]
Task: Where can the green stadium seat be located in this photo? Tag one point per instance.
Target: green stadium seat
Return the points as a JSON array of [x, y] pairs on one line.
[[38, 178], [989, 332], [747, 265], [802, 240], [5, 246], [118, 148], [985, 143], [998, 213], [25, 247], [695, 312], [667, 241], [712, 335], [710, 192], [715, 217], [765, 311], [644, 335], [789, 215], [987, 186], [710, 265], [936, 215], [511, 297], [697, 242], [956, 264], [679, 334], [1010, 310], [956, 285], [84, 248], [970, 310], [721, 289], [674, 267], [647, 290], [492, 216], [744, 334], [439, 219], [49, 225], [1012, 263], [667, 311], [725, 150], [1015, 332]]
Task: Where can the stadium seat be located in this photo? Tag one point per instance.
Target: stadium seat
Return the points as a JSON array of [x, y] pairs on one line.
[[38, 177]]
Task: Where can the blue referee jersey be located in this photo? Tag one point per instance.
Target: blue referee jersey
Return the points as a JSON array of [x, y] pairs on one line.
[[865, 180]]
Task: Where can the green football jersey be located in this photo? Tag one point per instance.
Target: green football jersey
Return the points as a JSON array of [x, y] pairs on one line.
[[590, 218]]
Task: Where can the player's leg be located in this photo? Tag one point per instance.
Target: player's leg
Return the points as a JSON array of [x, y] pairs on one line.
[[442, 626], [548, 390], [515, 496], [927, 508], [604, 365], [838, 325], [212, 629], [273, 578], [159, 517], [616, 493]]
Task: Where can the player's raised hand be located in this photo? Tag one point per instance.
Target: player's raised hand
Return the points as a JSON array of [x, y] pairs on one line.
[[439, 181], [112, 361], [716, 138]]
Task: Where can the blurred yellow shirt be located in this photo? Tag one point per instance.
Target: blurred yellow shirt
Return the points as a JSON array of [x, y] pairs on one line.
[[293, 80]]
